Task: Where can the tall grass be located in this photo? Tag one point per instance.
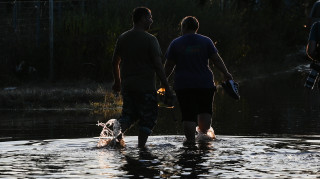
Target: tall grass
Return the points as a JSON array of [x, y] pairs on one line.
[[58, 96]]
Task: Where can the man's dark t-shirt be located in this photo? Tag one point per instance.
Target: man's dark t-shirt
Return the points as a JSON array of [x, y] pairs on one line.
[[315, 32], [137, 50], [315, 11], [191, 53]]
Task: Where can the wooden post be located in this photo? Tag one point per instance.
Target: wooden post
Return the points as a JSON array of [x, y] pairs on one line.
[[51, 75]]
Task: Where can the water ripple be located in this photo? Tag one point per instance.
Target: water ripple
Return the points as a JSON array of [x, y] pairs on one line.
[[165, 157]]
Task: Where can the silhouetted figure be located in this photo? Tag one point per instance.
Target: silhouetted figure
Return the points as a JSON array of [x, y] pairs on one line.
[[313, 42], [136, 62], [312, 51], [314, 15], [189, 56]]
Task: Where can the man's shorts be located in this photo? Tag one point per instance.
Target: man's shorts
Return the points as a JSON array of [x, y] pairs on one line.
[[195, 101], [139, 106]]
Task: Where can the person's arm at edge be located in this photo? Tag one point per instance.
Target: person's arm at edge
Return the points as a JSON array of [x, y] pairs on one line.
[[311, 50], [218, 62], [312, 42]]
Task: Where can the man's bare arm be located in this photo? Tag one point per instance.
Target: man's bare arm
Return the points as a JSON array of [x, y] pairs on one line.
[[218, 62], [311, 50]]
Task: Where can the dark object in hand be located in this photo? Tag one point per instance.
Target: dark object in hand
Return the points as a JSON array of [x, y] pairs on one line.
[[232, 88], [313, 75]]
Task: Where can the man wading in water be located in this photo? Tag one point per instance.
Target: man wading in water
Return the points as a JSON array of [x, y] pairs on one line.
[[189, 56], [136, 62]]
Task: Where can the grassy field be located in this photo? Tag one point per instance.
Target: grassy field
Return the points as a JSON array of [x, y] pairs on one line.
[[59, 96]]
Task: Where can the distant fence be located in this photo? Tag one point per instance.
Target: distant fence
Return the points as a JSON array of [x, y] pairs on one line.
[[31, 22]]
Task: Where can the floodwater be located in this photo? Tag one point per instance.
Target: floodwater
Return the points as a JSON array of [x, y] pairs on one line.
[[273, 131], [226, 157]]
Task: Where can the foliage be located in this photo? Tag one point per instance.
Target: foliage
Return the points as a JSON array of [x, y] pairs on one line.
[[56, 96], [85, 36]]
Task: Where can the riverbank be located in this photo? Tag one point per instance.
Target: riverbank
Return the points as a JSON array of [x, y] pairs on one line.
[[94, 95], [62, 95]]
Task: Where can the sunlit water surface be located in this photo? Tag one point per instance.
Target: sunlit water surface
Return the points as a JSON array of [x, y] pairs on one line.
[[165, 157]]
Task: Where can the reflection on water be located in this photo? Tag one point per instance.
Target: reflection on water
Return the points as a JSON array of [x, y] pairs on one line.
[[226, 157]]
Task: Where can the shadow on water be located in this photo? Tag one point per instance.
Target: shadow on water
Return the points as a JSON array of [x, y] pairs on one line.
[[142, 165], [192, 159], [167, 160]]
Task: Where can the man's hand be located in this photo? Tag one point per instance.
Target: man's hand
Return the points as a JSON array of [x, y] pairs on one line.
[[228, 76], [311, 50]]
